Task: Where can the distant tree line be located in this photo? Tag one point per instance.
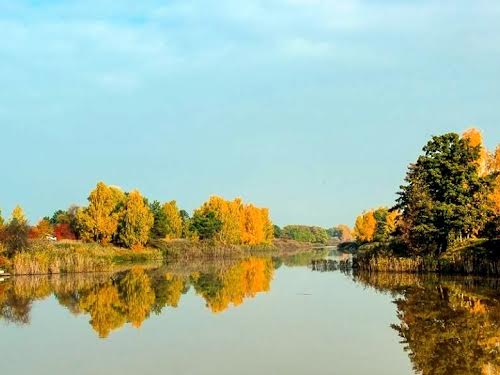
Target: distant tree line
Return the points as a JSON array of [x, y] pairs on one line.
[[313, 234]]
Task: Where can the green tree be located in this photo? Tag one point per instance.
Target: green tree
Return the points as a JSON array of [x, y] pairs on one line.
[[206, 224], [278, 232], [160, 224], [444, 198]]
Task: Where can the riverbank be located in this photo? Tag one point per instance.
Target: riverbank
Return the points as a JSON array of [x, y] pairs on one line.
[[78, 257], [475, 257], [75, 257], [186, 250]]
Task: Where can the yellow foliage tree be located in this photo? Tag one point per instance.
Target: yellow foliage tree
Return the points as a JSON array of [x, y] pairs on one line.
[[241, 223], [18, 214], [136, 221], [392, 217], [475, 139], [99, 221], [365, 226], [173, 219], [495, 167]]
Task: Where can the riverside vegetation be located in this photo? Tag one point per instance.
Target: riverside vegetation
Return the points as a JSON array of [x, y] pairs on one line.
[[447, 215], [120, 227]]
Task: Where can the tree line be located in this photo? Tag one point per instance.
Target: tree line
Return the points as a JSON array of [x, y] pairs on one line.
[[128, 219], [451, 194]]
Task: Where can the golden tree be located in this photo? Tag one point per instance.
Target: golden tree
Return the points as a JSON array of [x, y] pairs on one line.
[[99, 221], [136, 222], [475, 139], [365, 226], [18, 214], [173, 220]]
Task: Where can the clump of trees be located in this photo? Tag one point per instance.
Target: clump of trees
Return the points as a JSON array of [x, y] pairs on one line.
[[451, 193], [376, 225], [303, 233], [232, 222], [127, 219]]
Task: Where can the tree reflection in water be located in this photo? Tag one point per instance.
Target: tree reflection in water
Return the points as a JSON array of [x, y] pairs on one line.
[[447, 325], [112, 301]]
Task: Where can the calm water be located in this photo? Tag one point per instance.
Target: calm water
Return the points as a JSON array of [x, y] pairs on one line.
[[252, 316]]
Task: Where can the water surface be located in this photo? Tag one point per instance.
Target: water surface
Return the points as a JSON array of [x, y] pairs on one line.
[[256, 315]]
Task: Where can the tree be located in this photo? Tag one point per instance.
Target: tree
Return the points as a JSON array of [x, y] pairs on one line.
[[1, 219], [365, 226], [345, 233], [160, 224], [16, 232], [475, 139], [136, 221], [303, 233], [64, 231], [18, 214], [42, 229], [99, 221], [277, 231], [206, 224], [444, 198], [173, 220]]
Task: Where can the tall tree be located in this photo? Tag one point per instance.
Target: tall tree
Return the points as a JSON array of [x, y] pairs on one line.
[[444, 196], [173, 220], [365, 226], [160, 225], [136, 221], [99, 221]]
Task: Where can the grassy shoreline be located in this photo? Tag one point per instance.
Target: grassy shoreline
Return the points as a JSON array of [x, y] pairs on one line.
[[477, 257], [45, 258]]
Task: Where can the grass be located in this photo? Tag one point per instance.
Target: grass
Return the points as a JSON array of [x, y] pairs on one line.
[[479, 256], [74, 257]]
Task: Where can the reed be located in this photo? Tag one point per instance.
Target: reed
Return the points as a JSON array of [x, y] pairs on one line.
[[74, 257]]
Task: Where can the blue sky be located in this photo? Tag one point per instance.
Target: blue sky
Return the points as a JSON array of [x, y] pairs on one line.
[[313, 108]]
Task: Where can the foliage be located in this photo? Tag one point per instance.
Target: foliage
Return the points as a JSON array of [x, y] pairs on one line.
[[18, 215], [444, 197], [136, 221], [64, 231], [365, 227], [277, 231], [15, 235], [99, 221], [206, 224], [173, 220], [159, 228], [303, 233], [41, 230], [239, 223]]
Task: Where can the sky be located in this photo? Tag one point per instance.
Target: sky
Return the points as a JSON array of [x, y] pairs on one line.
[[312, 108]]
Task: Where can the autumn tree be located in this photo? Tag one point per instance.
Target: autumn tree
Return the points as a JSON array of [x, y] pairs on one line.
[[239, 223], [475, 138], [345, 233], [16, 232], [99, 221], [173, 220], [135, 222], [365, 226], [18, 214], [42, 229]]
